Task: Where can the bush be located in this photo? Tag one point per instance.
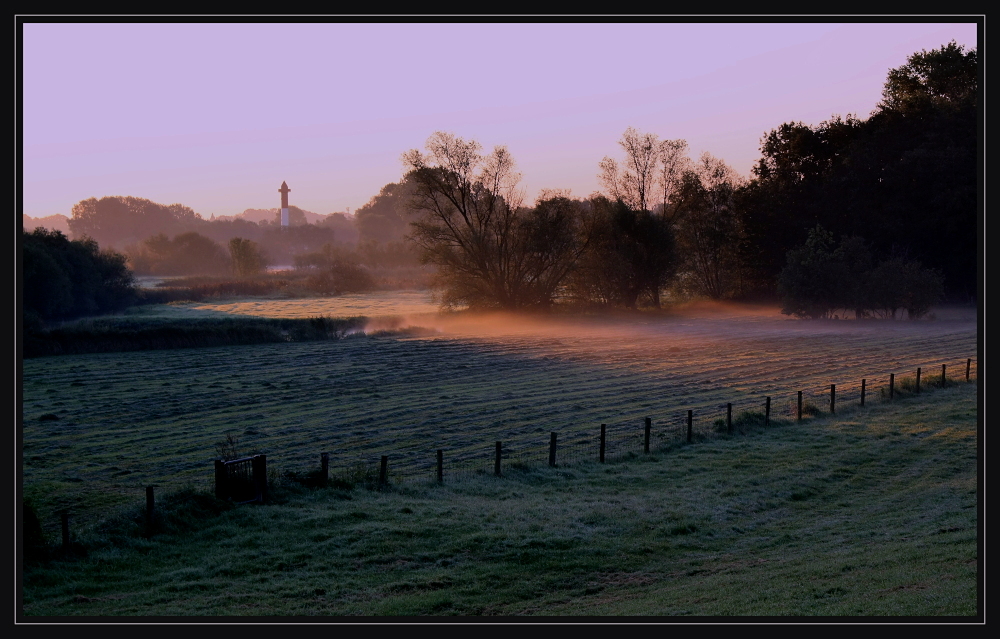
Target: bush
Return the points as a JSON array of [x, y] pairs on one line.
[[65, 279]]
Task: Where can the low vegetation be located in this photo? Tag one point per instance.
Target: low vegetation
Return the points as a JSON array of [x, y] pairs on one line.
[[869, 514]]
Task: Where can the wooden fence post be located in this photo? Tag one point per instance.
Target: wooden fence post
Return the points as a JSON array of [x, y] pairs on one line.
[[221, 483], [918, 379], [690, 417], [800, 406], [862, 392], [603, 441], [892, 384], [324, 468], [968, 368], [729, 418], [440, 468], [552, 450], [645, 444], [64, 516], [383, 471], [496, 464], [767, 412], [833, 398], [259, 466], [943, 378]]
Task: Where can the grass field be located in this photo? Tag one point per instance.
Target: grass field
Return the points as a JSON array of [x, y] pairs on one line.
[[99, 428], [869, 514]]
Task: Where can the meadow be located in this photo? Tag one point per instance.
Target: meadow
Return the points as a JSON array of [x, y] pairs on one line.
[[99, 428]]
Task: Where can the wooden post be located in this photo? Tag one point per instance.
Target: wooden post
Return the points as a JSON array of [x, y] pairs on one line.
[[645, 441], [918, 379], [603, 441], [259, 465], [440, 466], [800, 406], [324, 468], [690, 417], [383, 471], [767, 411], [496, 464], [943, 378], [221, 483], [968, 368], [729, 418], [65, 528], [892, 384], [833, 398], [862, 392], [552, 450]]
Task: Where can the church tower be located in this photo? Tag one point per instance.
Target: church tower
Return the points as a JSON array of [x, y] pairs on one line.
[[284, 204]]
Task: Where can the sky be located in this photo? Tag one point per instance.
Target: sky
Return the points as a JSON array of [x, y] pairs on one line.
[[216, 115]]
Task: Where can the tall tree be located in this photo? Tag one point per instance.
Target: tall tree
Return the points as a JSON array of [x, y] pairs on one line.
[[490, 252]]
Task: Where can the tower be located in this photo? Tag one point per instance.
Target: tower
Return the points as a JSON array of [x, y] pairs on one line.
[[284, 204]]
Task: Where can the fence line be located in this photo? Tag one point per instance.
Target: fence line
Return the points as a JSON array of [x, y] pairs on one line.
[[708, 419]]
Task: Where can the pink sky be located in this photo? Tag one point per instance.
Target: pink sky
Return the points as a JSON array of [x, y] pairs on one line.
[[216, 116]]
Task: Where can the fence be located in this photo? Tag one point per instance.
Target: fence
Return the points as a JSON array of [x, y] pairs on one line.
[[242, 480], [608, 442]]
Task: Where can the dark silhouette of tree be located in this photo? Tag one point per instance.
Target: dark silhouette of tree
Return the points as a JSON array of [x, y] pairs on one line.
[[489, 252], [63, 279], [905, 177], [630, 255]]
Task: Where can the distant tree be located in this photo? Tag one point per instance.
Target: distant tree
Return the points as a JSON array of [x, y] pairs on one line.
[[386, 217], [296, 216], [187, 254], [246, 257], [651, 174], [120, 220]]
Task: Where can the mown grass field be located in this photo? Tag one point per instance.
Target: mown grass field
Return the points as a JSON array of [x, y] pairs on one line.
[[99, 428], [869, 514]]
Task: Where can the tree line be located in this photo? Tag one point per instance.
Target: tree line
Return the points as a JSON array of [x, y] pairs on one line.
[[900, 185], [899, 188]]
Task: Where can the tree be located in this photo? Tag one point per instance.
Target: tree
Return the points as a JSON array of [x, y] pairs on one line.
[[63, 279], [629, 255], [489, 251], [120, 220], [947, 77], [246, 257], [187, 254], [709, 227], [808, 285], [652, 170]]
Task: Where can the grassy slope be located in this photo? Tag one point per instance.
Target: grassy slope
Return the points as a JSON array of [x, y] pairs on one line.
[[870, 513]]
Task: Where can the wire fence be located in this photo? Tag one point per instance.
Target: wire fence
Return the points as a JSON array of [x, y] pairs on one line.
[[658, 433]]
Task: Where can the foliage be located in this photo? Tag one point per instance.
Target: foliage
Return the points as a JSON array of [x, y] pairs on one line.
[[63, 279], [710, 227], [246, 257], [386, 217], [187, 254], [820, 278], [651, 173], [489, 252], [630, 256], [906, 177], [119, 220]]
